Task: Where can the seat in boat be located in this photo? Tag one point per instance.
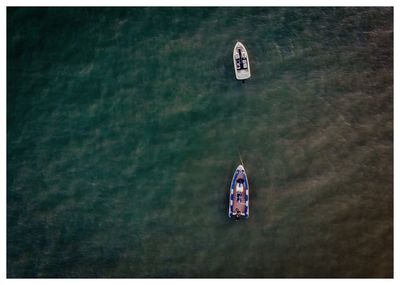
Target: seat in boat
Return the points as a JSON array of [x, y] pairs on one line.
[[239, 192]]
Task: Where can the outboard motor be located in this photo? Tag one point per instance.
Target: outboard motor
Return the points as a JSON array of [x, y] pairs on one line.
[[238, 214]]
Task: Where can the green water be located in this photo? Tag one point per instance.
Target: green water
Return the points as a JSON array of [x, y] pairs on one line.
[[124, 126]]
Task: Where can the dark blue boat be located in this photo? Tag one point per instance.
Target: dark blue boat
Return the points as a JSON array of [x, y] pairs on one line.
[[239, 194]]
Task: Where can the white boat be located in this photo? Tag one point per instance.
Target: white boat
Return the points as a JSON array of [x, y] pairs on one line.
[[241, 62]]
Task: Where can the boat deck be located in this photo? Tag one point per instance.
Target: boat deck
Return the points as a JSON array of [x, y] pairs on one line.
[[241, 203]]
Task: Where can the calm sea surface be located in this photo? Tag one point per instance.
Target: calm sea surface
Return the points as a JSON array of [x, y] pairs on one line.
[[124, 126]]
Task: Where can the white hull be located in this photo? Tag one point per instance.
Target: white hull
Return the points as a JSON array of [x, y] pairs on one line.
[[241, 62]]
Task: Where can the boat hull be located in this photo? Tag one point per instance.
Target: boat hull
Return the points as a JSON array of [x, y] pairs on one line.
[[241, 63], [239, 194]]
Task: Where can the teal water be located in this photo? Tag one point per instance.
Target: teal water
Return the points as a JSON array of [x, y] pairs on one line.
[[124, 126]]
